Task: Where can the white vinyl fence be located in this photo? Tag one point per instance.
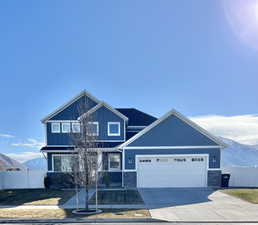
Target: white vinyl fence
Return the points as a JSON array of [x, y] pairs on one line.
[[22, 179], [242, 176]]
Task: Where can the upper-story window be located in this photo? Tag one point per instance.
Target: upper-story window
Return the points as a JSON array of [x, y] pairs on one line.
[[55, 127], [76, 127], [113, 128], [66, 127], [93, 128]]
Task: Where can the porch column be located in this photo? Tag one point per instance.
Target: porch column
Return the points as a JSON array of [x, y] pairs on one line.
[[99, 160]]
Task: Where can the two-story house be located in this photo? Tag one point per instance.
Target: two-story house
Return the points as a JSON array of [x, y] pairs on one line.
[[137, 149]]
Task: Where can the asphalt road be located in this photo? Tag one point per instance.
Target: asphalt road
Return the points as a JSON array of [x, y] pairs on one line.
[[154, 223]]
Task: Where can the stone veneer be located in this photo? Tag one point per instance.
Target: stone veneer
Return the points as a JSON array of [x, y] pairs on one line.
[[214, 178], [130, 179]]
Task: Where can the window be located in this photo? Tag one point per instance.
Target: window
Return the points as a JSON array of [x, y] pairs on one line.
[[180, 159], [162, 160], [145, 160], [113, 128], [55, 127], [114, 161], [66, 127], [93, 128], [197, 159], [76, 127], [62, 163]]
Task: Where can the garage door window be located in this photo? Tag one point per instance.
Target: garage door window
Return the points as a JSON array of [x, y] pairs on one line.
[[145, 161], [197, 159], [180, 159], [161, 160]]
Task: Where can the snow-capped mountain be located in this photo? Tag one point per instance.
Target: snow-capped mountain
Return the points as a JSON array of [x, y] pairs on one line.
[[237, 154], [38, 163], [6, 163]]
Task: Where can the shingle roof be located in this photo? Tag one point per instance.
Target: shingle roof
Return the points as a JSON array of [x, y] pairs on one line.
[[100, 145], [137, 117]]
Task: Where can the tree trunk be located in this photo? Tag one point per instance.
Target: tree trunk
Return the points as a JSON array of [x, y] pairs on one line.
[[86, 198]]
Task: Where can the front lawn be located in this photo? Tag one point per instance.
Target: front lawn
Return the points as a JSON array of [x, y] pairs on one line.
[[34, 197], [250, 195], [62, 213], [117, 197]]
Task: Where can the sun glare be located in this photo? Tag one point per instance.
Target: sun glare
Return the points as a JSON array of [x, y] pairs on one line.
[[256, 12], [242, 16]]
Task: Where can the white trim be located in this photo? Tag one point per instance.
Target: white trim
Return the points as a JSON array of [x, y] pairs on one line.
[[130, 170], [75, 150], [180, 116], [52, 130], [136, 127], [114, 169], [61, 108], [97, 127], [108, 129], [95, 108], [46, 133], [66, 123], [62, 121], [174, 155], [173, 147], [215, 169]]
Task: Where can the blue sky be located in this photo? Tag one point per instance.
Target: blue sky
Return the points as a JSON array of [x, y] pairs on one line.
[[151, 55]]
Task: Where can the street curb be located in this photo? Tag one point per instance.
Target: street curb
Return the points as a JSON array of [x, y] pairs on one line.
[[24, 221], [143, 220]]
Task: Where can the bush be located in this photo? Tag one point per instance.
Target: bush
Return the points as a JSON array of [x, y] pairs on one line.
[[47, 182]]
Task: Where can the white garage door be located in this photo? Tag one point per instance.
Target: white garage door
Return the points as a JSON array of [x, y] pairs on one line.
[[172, 171]]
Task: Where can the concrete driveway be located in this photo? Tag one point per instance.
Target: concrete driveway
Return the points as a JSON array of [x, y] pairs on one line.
[[196, 204]]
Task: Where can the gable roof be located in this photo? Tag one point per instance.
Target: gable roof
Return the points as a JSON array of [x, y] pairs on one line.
[[183, 118], [61, 108], [137, 117], [101, 104]]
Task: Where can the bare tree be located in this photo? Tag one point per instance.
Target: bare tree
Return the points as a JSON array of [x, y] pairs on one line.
[[85, 163]]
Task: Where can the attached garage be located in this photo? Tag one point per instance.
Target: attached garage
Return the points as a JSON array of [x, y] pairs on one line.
[[172, 170]]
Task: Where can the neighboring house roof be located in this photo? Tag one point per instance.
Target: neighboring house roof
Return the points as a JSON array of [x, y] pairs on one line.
[[101, 104], [130, 134], [61, 108], [183, 118], [137, 117]]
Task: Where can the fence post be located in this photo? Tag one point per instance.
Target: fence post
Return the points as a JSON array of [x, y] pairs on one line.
[[28, 177]]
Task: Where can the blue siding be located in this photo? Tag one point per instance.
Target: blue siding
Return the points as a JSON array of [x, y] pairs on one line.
[[213, 154], [72, 111], [103, 116], [173, 132], [57, 138]]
